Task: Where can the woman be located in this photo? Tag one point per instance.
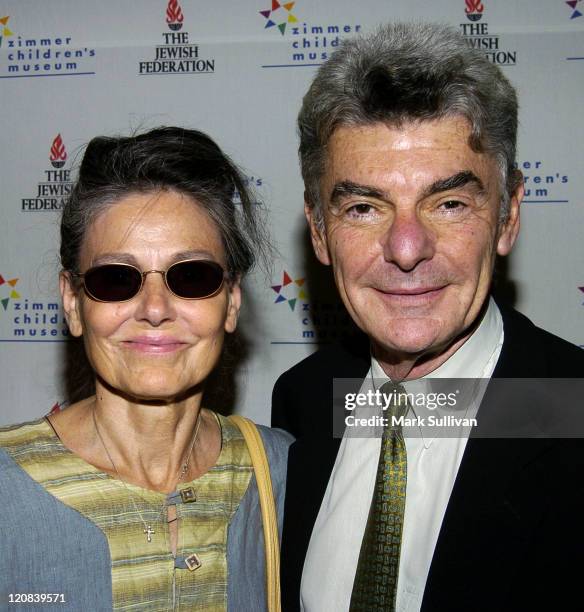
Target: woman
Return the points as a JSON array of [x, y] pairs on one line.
[[137, 497]]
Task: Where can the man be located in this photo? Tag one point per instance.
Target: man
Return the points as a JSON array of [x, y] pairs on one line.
[[407, 146]]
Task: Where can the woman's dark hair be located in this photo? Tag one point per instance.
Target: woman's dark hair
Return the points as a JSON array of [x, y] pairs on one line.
[[167, 158]]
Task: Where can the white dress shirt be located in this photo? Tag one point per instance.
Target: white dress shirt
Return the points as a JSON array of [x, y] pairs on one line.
[[433, 462]]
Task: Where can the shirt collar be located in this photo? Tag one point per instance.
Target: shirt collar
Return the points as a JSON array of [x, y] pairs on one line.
[[476, 358]]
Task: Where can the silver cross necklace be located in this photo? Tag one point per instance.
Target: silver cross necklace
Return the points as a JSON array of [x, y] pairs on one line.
[[183, 470]]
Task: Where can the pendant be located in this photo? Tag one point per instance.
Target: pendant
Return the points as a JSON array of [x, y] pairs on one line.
[[193, 562], [188, 495], [149, 531]]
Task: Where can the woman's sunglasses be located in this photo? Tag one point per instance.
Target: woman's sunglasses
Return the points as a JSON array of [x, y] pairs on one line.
[[193, 279]]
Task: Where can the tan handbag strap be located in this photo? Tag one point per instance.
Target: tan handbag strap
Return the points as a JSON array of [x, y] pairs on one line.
[[261, 468]]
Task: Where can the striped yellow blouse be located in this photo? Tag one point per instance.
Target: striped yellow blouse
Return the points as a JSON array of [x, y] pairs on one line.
[[145, 575]]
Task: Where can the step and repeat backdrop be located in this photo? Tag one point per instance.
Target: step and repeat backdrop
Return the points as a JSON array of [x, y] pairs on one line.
[[238, 70]]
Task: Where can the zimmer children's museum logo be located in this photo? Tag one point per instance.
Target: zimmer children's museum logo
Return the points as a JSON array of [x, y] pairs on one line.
[[26, 320], [307, 321], [57, 407], [52, 192], [5, 31], [34, 56], [177, 54], [307, 43], [279, 16], [254, 186], [478, 36], [8, 287], [289, 291], [544, 183], [573, 4]]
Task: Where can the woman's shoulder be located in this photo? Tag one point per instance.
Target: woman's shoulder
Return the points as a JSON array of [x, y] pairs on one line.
[[276, 443], [24, 434], [20, 445], [277, 440], [32, 449]]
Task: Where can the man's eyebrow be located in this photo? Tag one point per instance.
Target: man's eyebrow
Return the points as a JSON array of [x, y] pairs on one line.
[[348, 188], [456, 181]]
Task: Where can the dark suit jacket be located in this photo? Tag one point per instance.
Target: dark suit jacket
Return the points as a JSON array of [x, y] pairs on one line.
[[512, 537]]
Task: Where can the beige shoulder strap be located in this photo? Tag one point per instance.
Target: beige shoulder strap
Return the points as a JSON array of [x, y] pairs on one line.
[[261, 468]]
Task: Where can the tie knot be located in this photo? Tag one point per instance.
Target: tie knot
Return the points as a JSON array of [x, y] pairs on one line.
[[395, 398]]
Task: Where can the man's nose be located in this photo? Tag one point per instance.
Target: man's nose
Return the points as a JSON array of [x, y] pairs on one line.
[[408, 241]]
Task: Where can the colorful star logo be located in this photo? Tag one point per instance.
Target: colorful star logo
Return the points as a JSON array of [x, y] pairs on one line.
[[13, 293], [4, 30], [279, 15], [573, 4], [57, 407], [289, 291]]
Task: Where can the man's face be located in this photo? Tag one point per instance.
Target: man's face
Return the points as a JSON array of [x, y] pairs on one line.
[[411, 230]]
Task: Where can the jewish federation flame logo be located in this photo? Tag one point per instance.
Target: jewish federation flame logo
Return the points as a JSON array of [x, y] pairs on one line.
[[474, 9], [174, 15], [58, 154]]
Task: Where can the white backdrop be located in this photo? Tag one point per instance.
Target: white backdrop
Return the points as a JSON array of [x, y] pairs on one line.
[[238, 70]]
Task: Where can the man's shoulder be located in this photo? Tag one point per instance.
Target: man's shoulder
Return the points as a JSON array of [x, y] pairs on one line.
[[531, 351], [343, 359], [302, 395]]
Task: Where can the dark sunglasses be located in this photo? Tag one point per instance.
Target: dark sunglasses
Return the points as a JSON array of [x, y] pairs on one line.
[[193, 279]]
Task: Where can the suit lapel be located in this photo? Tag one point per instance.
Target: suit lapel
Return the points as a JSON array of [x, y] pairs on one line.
[[310, 462], [494, 503]]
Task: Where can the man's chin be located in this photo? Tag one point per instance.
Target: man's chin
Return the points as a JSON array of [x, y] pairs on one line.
[[410, 338]]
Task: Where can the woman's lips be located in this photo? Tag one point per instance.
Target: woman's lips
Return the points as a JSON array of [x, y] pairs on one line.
[[154, 344]]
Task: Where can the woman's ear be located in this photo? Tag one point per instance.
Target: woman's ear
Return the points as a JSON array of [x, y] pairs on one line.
[[71, 305], [233, 305]]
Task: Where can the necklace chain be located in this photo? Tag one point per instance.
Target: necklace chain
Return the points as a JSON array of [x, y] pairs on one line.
[[183, 470]]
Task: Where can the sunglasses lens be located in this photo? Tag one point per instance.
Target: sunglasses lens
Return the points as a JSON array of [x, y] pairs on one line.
[[113, 282], [194, 279]]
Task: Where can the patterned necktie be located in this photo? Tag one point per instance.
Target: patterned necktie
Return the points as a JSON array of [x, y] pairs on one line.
[[375, 585]]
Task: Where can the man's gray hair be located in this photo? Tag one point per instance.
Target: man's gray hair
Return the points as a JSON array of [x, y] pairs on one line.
[[409, 72]]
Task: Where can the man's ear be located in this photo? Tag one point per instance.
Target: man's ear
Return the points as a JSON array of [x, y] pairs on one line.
[[317, 232], [510, 229], [71, 304]]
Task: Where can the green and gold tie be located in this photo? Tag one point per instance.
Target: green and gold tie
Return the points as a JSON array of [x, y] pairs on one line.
[[375, 585]]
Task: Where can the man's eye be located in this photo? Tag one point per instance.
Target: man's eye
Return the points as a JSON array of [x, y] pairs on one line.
[[452, 205], [360, 210]]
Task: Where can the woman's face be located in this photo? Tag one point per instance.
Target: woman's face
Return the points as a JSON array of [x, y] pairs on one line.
[[156, 346]]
